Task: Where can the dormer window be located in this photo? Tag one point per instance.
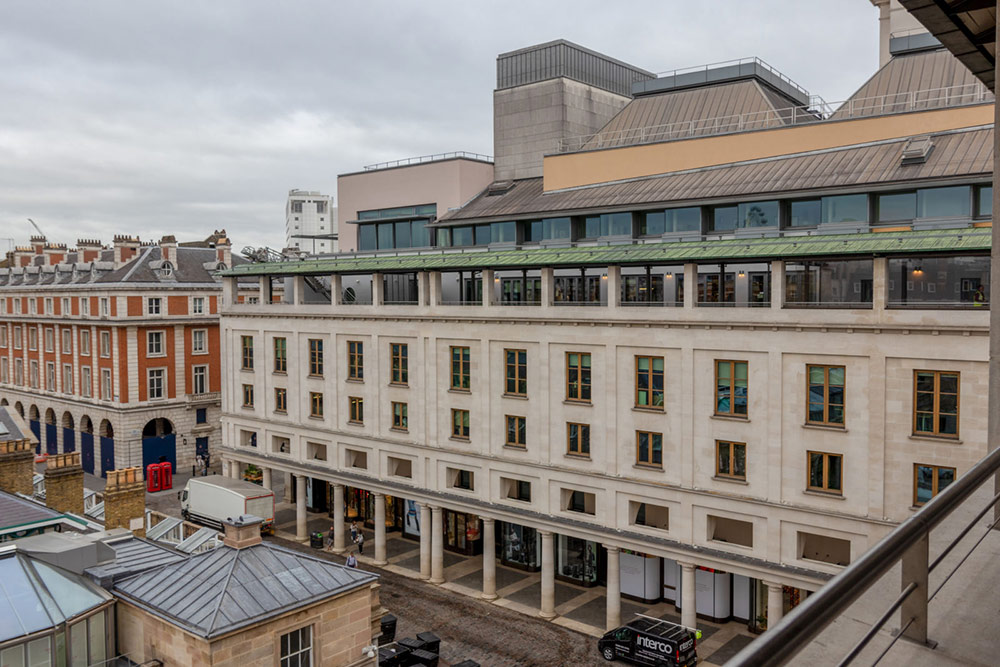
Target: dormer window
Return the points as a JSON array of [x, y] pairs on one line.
[[221, 266], [166, 269]]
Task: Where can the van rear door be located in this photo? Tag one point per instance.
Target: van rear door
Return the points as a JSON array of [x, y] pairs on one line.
[[652, 650], [687, 653]]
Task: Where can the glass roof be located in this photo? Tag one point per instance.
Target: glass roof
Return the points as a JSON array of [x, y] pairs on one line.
[[35, 596]]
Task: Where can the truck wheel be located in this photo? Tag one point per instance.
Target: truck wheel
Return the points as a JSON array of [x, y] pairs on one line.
[[609, 654]]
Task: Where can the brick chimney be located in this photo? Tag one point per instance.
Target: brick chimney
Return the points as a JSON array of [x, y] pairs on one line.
[[17, 467], [23, 255], [38, 244], [88, 250], [242, 531], [126, 248], [125, 501], [64, 483], [54, 253], [168, 249], [224, 250]]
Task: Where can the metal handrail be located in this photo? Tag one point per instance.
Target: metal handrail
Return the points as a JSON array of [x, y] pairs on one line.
[[816, 111], [781, 643], [427, 158]]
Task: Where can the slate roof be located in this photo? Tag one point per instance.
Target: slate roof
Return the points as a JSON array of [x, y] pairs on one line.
[[12, 427], [787, 247], [17, 513], [225, 589], [956, 153]]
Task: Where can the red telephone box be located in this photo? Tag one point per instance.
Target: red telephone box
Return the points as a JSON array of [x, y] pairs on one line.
[[153, 477], [166, 476]]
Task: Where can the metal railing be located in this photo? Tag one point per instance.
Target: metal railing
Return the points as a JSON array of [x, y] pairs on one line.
[[816, 111], [404, 162], [908, 545], [753, 60]]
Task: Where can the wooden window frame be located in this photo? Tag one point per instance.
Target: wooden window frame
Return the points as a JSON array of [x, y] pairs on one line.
[[650, 405], [732, 388], [316, 404], [650, 463], [281, 400], [246, 353], [517, 431], [731, 445], [579, 385], [316, 357], [461, 369], [826, 395], [248, 396], [356, 410], [399, 364], [936, 413], [465, 424], [575, 448], [516, 372], [356, 360], [400, 417], [826, 472], [935, 488], [280, 354]]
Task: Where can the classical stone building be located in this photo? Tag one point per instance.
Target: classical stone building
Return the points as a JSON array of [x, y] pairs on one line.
[[114, 351], [713, 353]]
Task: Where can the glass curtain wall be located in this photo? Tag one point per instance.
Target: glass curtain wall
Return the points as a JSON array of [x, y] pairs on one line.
[[518, 287], [462, 288], [399, 288], [580, 287], [939, 282], [652, 286], [739, 285], [356, 289], [830, 284]]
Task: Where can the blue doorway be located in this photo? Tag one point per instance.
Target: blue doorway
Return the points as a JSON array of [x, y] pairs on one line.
[[87, 452], [107, 455], [36, 429], [159, 443], [69, 440], [51, 445]]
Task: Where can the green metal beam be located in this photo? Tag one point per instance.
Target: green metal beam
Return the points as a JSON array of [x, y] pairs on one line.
[[759, 249]]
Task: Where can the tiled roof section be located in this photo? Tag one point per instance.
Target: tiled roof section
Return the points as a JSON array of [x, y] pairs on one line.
[[959, 153], [910, 73], [225, 589], [787, 247], [692, 104], [17, 512]]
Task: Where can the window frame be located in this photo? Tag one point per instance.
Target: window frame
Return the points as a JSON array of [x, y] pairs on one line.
[[150, 301], [936, 414], [206, 385], [84, 342], [160, 335], [355, 410], [289, 659], [356, 360], [197, 305], [461, 368], [399, 364], [105, 349], [650, 374], [732, 446], [520, 431], [195, 335], [650, 462], [575, 447], [281, 400], [315, 357], [400, 416], [825, 488], [460, 425], [248, 395], [732, 389], [246, 352], [935, 480], [280, 346], [826, 396], [582, 385], [159, 373], [316, 405], [519, 377]]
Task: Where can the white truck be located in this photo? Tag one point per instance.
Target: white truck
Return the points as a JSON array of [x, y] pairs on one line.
[[211, 500]]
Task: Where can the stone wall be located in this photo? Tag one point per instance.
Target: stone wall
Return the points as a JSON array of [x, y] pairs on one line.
[[17, 459]]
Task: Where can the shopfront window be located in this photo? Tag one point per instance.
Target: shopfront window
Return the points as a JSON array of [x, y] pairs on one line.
[[518, 288], [576, 559], [652, 286], [739, 285], [521, 546], [939, 282], [832, 284], [579, 287]]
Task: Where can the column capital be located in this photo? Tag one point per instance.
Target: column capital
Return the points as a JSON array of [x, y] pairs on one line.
[[611, 547], [771, 584], [686, 566], [337, 487], [436, 510], [545, 533], [378, 495], [487, 521]]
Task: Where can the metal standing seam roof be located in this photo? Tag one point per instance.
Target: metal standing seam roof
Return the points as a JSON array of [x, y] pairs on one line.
[[786, 247], [225, 589], [132, 556], [20, 514], [956, 154]]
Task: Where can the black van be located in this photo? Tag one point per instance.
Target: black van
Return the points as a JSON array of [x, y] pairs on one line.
[[651, 641]]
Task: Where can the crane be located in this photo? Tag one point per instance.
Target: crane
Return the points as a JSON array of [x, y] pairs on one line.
[[37, 228]]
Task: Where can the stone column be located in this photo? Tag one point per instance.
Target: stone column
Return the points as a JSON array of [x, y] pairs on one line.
[[777, 283], [613, 284], [434, 288], [437, 546], [266, 478], [378, 289], [288, 487], [548, 286], [775, 604], [690, 285], [301, 532], [548, 609], [880, 283], [225, 467], [380, 558], [489, 560], [489, 290], [614, 611], [425, 541], [338, 519], [689, 602]]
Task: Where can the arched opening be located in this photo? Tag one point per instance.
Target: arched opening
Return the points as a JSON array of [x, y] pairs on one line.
[[20, 409], [106, 430], [87, 444], [50, 416], [68, 434], [159, 443], [33, 412], [35, 424], [3, 402], [107, 436]]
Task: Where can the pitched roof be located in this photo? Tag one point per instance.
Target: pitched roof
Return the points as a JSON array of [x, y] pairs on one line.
[[18, 514], [225, 589], [786, 247], [133, 555], [956, 153]]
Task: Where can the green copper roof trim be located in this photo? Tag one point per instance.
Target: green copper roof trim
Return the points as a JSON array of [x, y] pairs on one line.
[[869, 243]]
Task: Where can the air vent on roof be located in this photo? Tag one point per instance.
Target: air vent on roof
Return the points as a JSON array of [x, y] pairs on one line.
[[499, 188], [916, 150]]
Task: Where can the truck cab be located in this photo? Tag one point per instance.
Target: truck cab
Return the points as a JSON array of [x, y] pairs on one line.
[[651, 641]]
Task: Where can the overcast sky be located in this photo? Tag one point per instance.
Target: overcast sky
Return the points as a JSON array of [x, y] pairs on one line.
[[156, 118]]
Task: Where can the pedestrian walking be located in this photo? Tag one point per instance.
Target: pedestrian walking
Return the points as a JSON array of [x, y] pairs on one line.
[[329, 540], [354, 532], [351, 560], [199, 463], [361, 542]]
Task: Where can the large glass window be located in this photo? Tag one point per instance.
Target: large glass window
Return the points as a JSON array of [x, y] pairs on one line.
[[744, 285], [503, 232], [462, 236], [296, 648], [366, 237], [935, 403], [825, 472], [949, 282], [578, 376], [580, 287], [649, 382], [732, 388], [829, 284], [515, 287], [483, 234], [897, 206], [826, 387], [984, 201], [953, 202], [655, 223], [652, 285], [749, 215], [420, 236], [845, 208], [805, 213], [608, 224], [928, 481], [385, 236], [462, 288]]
